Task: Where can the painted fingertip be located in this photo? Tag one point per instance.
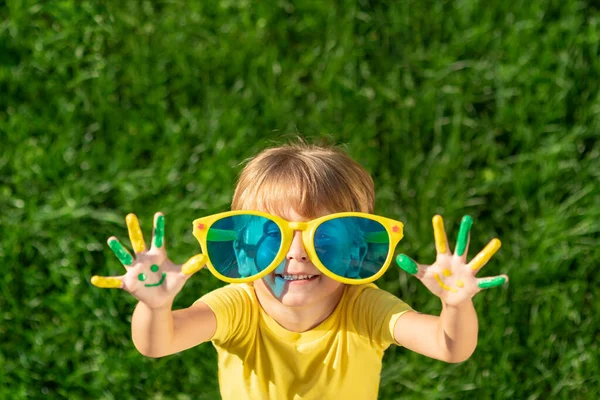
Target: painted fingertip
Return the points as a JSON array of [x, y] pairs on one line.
[[159, 230], [463, 234], [486, 254], [439, 234], [407, 264], [117, 248], [135, 233], [194, 264], [492, 282], [106, 283]]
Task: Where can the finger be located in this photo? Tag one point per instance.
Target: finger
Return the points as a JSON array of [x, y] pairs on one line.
[[194, 264], [407, 264], [158, 237], [463, 236], [106, 282], [484, 255], [441, 240], [135, 233], [491, 282], [122, 254]]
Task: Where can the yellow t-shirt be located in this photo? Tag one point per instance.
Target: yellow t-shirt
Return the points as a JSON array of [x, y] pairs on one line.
[[338, 359]]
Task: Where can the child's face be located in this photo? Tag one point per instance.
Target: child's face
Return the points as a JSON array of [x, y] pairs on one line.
[[286, 285]]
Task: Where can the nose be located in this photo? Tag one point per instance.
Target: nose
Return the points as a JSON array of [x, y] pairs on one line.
[[297, 251]]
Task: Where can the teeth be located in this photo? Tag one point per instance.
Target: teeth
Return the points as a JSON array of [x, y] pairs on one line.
[[296, 277]]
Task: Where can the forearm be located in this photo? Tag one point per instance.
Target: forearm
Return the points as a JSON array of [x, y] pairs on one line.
[[458, 330], [152, 329]]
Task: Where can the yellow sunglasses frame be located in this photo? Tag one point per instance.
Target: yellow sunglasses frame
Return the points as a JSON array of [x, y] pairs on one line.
[[201, 227]]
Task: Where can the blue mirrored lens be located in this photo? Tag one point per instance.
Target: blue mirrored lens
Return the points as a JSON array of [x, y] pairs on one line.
[[352, 247], [241, 246]]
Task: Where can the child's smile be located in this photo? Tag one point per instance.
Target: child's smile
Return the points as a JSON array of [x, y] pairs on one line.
[[296, 278]]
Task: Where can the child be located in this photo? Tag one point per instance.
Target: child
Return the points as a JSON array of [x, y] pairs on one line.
[[301, 320]]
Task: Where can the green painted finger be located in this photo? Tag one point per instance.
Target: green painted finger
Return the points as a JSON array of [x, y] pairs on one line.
[[159, 231], [407, 264], [120, 251], [487, 283], [463, 234]]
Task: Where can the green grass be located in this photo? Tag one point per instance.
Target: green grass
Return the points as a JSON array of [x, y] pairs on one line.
[[463, 107]]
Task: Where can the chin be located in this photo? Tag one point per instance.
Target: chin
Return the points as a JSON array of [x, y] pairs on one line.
[[298, 300]]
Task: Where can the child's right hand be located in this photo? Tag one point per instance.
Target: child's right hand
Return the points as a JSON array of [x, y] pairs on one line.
[[151, 277]]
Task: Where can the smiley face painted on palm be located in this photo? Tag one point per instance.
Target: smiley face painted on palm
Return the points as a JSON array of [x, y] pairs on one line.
[[154, 268]]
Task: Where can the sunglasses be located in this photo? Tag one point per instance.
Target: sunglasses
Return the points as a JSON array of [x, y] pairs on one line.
[[350, 247]]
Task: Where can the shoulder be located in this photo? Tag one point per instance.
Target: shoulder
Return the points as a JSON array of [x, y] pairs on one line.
[[362, 301], [374, 312], [369, 294], [236, 312], [232, 293]]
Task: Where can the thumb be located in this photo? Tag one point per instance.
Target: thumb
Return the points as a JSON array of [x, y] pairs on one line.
[[194, 264]]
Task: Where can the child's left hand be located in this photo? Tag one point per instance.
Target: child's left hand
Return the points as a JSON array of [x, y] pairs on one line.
[[450, 277]]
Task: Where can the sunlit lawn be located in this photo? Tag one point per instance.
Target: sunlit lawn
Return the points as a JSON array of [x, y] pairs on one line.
[[456, 108]]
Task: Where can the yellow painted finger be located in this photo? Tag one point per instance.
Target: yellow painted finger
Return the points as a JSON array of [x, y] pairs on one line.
[[194, 264], [135, 233], [484, 255], [441, 241], [106, 282]]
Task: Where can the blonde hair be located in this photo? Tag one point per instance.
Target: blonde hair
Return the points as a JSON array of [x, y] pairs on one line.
[[308, 178]]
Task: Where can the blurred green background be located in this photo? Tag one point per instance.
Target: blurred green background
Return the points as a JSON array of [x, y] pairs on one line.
[[487, 108]]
